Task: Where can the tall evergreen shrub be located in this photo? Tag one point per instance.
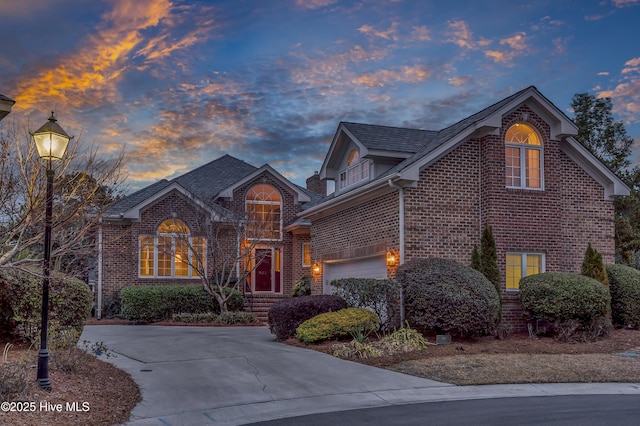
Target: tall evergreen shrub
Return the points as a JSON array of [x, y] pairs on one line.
[[593, 266]]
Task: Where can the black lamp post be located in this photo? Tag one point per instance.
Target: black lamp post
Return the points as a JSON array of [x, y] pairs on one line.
[[51, 142]]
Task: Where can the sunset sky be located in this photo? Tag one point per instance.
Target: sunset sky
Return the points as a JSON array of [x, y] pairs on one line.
[[181, 82]]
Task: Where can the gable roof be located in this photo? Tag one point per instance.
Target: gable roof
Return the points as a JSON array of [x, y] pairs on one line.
[[435, 144], [208, 180], [130, 201]]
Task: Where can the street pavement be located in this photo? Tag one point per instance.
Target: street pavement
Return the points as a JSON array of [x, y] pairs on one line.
[[239, 375]]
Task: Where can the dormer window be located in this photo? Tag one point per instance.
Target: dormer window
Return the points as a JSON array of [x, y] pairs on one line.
[[357, 170], [523, 157]]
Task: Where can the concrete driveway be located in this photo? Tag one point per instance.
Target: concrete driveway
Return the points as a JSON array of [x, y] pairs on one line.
[[238, 375]]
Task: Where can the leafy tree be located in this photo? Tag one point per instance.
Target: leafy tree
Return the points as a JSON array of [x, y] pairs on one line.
[[593, 266], [598, 132], [607, 139]]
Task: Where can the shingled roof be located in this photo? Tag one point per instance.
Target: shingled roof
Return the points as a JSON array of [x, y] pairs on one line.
[[132, 200], [388, 138], [208, 180]]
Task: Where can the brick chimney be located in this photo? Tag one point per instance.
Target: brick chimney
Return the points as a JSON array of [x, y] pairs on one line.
[[316, 185]]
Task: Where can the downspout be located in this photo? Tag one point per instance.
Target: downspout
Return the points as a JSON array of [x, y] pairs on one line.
[[401, 236], [99, 311]]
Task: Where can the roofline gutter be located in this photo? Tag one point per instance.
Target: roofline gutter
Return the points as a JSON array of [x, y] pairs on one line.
[[347, 196]]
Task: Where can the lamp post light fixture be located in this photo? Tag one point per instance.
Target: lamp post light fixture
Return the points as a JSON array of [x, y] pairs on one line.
[[51, 141]]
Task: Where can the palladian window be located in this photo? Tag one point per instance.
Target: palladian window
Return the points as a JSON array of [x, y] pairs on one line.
[[264, 213], [172, 252], [523, 158]]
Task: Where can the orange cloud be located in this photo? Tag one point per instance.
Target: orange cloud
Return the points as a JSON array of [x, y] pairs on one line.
[[517, 44], [458, 32], [406, 74], [88, 77], [388, 34]]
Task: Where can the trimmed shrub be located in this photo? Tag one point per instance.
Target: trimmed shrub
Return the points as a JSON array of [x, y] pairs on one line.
[[624, 284], [380, 296], [211, 318], [334, 325], [576, 305], [157, 303], [70, 301], [446, 296], [285, 316], [302, 287]]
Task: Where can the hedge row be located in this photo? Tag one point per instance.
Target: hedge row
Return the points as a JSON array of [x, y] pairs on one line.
[[70, 301], [161, 302]]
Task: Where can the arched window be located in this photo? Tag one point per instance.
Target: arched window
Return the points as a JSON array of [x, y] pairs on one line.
[[523, 157], [264, 212], [172, 252]]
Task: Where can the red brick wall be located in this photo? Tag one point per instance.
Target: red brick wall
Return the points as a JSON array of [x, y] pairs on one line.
[[442, 214], [363, 230], [461, 192], [120, 240]]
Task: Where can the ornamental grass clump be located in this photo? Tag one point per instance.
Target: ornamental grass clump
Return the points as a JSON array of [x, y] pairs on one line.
[[335, 325]]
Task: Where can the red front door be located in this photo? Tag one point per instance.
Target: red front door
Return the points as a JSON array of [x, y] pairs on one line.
[[263, 270]]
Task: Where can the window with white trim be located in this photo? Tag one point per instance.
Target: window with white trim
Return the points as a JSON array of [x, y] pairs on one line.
[[172, 252], [306, 255], [523, 158], [264, 213], [357, 170], [521, 265]]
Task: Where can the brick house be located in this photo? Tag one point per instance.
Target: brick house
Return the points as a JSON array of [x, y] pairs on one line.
[[139, 243], [399, 194], [417, 193]]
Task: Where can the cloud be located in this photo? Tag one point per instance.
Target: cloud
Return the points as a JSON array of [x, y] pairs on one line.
[[626, 94], [458, 32], [89, 77], [406, 74], [517, 45], [420, 33], [459, 81], [390, 33], [315, 4], [624, 3]]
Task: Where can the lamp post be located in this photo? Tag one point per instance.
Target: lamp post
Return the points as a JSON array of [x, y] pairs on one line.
[[51, 142]]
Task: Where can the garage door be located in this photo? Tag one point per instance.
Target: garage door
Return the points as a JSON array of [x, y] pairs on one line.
[[370, 267]]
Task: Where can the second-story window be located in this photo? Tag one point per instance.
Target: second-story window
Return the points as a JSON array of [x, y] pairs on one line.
[[357, 170], [264, 213], [523, 158]]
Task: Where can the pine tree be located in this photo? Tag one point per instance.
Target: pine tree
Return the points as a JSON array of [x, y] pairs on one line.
[[475, 258], [489, 258], [593, 266]]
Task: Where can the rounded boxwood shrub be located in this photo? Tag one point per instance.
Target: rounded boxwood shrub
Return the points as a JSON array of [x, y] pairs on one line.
[[334, 325], [446, 296], [285, 316], [70, 301], [624, 284], [574, 304], [380, 296]]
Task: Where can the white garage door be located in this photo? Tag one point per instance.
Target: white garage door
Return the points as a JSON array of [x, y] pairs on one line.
[[370, 267]]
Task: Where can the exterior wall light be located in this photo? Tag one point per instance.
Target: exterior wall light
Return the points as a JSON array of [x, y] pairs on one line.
[[316, 269], [391, 258]]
